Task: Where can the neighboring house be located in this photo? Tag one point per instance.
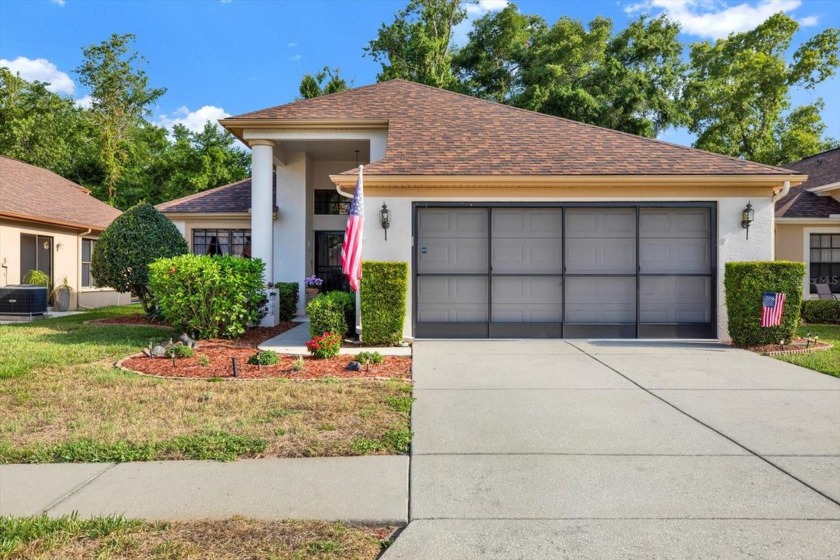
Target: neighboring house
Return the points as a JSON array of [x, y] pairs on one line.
[[50, 224], [808, 221], [514, 223]]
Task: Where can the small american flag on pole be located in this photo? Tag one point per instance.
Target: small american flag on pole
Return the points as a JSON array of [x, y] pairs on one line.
[[351, 251], [772, 307]]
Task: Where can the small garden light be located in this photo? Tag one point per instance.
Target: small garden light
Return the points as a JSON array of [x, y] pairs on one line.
[[385, 219], [747, 217]]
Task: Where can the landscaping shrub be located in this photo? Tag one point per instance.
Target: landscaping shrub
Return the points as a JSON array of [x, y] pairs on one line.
[[326, 345], [124, 251], [179, 351], [821, 311], [383, 298], [326, 314], [289, 296], [264, 358], [366, 358], [745, 283], [208, 296]]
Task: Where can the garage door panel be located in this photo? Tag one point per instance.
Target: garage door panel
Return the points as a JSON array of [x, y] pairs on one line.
[[674, 222], [463, 255], [675, 255], [527, 222], [676, 299], [601, 222], [534, 256], [587, 255], [524, 299], [452, 299], [452, 222], [595, 299]]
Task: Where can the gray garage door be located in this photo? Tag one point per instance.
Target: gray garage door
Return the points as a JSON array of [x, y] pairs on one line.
[[564, 271]]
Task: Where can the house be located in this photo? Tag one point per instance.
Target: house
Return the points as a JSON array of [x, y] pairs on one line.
[[514, 223], [51, 224], [808, 221]]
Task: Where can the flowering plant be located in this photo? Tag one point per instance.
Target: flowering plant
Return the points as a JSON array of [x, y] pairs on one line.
[[326, 345], [313, 282]]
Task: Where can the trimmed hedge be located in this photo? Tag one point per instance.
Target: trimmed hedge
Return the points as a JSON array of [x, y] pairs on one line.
[[823, 311], [325, 315], [289, 293], [208, 296], [745, 282], [383, 297]]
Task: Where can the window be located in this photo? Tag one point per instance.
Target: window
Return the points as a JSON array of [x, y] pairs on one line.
[[88, 281], [331, 203], [234, 242], [825, 260]]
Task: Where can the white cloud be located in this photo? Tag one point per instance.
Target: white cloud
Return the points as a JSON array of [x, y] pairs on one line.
[[193, 120], [809, 21], [714, 19], [292, 45], [42, 70], [475, 11], [84, 102], [295, 57], [59, 2]]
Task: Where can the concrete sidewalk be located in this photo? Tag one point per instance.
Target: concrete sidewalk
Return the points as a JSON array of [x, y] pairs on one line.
[[356, 489], [608, 449], [293, 342]]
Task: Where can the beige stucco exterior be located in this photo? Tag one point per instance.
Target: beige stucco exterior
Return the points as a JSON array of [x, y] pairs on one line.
[[66, 261]]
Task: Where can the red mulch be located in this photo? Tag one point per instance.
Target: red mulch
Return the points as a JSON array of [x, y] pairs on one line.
[[221, 353], [251, 339]]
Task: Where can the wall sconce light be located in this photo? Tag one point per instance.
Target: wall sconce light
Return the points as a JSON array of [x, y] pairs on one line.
[[385, 219], [46, 245], [58, 246], [747, 217]]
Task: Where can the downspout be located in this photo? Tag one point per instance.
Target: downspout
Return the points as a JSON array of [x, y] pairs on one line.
[[782, 193], [79, 265]]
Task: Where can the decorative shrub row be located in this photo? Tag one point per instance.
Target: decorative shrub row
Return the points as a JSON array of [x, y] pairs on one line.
[[821, 311], [289, 295], [383, 298], [207, 296], [746, 283], [329, 312]]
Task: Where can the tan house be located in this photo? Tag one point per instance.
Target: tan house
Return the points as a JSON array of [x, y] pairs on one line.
[[514, 223], [808, 221], [50, 224]]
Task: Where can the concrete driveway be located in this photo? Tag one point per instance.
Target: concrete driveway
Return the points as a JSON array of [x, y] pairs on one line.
[[587, 449]]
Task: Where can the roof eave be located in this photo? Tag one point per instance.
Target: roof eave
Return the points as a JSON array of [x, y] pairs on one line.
[[50, 221], [237, 126]]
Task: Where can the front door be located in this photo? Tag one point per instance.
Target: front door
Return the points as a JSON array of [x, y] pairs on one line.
[[35, 254], [328, 260]]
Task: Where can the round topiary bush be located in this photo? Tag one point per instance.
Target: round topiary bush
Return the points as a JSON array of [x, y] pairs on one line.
[[122, 255]]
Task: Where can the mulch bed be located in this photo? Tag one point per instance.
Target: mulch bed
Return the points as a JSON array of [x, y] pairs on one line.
[[220, 365], [798, 346]]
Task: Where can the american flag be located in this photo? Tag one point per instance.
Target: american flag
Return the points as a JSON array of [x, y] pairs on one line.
[[772, 307], [351, 251]]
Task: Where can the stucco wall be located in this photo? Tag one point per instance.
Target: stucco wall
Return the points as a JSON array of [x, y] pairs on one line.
[[732, 242], [789, 242], [66, 255]]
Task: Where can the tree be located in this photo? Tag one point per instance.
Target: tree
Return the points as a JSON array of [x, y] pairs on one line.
[[416, 46], [313, 85], [121, 100], [738, 92], [41, 127], [137, 238]]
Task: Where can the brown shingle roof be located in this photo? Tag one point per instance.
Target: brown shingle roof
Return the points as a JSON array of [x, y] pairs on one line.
[[37, 194], [436, 132], [822, 169], [232, 198]]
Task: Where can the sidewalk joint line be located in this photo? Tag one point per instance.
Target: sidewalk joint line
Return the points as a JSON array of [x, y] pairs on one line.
[[79, 488], [742, 446]]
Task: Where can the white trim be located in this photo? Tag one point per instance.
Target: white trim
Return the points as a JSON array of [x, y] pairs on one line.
[[824, 190], [832, 219], [806, 255]]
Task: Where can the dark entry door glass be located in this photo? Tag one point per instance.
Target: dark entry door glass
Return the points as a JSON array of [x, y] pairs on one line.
[[35, 254], [328, 260]]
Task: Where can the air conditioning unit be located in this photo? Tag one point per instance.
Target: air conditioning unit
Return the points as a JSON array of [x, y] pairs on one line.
[[23, 300]]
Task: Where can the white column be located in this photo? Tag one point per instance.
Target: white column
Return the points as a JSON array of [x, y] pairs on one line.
[[262, 208], [292, 223]]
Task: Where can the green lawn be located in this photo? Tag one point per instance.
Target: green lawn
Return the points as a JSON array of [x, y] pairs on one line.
[[825, 362], [115, 537], [61, 400]]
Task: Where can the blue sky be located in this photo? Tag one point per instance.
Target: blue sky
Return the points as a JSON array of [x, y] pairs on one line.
[[225, 57]]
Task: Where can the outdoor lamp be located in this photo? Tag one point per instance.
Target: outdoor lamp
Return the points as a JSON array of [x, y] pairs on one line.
[[385, 219], [747, 217]]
